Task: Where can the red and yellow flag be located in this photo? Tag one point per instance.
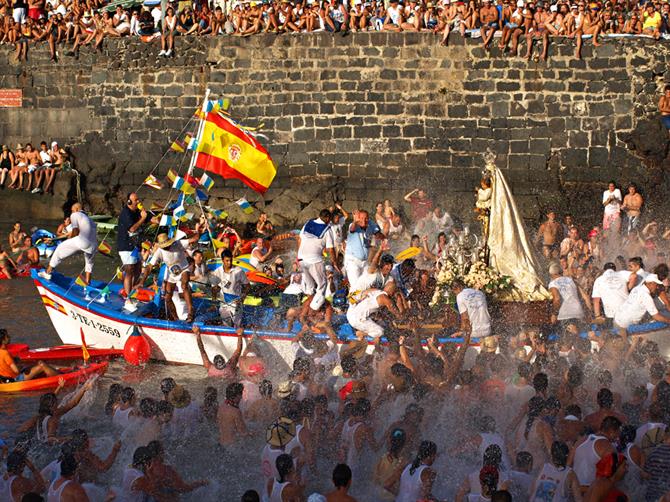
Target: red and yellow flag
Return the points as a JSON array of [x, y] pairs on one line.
[[228, 151]]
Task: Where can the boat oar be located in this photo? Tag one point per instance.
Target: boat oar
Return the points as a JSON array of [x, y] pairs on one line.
[[84, 349]]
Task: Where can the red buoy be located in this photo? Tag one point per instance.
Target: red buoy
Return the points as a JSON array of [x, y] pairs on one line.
[[136, 350]]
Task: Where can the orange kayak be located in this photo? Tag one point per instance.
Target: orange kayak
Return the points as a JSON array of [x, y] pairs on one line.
[[72, 376]]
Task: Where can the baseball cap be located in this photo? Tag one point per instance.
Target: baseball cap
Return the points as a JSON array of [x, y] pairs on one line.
[[653, 278], [554, 8], [520, 3]]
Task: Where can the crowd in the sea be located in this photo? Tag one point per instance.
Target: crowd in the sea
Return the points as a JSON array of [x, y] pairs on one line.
[[73, 24], [32, 169], [542, 413]]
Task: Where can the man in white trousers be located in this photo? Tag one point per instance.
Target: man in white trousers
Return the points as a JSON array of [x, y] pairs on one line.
[[315, 237], [82, 238]]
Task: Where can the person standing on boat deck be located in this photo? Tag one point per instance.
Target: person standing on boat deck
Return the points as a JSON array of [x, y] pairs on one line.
[[315, 237], [231, 286], [82, 238], [174, 254], [358, 244], [131, 220]]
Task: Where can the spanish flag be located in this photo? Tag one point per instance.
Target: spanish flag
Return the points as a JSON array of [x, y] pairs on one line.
[[228, 151]]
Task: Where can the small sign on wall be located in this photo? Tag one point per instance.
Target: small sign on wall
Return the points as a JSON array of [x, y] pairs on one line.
[[11, 98]]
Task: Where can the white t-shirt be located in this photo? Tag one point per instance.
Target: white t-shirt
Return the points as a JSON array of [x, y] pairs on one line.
[[87, 230], [231, 282], [338, 231], [570, 306], [615, 206], [473, 302], [45, 156], [312, 247], [638, 303], [172, 255], [612, 289]]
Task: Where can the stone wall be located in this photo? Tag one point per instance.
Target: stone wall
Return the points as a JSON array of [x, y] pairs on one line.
[[367, 116]]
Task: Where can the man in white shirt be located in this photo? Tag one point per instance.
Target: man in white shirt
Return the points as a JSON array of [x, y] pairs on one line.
[[612, 201], [640, 301], [230, 285], [610, 290], [315, 237], [636, 271], [82, 238], [473, 309], [173, 253], [567, 309]]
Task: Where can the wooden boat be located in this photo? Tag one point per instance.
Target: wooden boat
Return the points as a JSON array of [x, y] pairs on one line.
[[60, 353], [71, 376]]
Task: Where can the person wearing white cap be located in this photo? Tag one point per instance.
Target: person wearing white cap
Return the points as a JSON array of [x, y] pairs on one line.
[[640, 301], [512, 26]]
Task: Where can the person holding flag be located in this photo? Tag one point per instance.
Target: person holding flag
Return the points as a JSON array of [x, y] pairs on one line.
[[315, 237], [82, 238], [131, 219]]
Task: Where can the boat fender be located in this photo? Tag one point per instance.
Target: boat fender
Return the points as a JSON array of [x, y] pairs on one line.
[[136, 350]]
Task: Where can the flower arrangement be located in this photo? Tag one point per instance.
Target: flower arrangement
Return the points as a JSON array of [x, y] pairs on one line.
[[478, 276]]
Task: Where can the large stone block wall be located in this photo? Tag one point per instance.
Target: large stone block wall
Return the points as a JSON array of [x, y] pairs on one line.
[[368, 115]]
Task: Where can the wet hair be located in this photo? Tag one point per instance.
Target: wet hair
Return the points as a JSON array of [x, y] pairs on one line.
[[219, 362], [167, 385], [487, 424], [16, 460], [524, 460], [226, 253], [4, 336], [265, 388], [605, 398], [148, 407], [301, 365], [637, 261], [68, 465], [465, 377], [435, 365], [341, 476], [427, 449], [552, 403], [127, 395], [141, 458], [325, 213], [47, 402], [234, 390], [559, 453], [662, 271], [610, 423], [397, 441], [348, 364], [575, 376], [609, 266], [501, 496], [164, 408], [574, 410], [605, 378], [457, 284], [249, 495], [399, 370], [114, 397], [79, 439], [540, 382], [284, 465], [535, 407], [493, 455]]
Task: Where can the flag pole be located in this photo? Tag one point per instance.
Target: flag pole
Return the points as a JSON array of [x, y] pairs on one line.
[[201, 126]]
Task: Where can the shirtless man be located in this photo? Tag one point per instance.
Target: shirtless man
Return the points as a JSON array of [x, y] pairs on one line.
[[342, 482], [551, 234], [632, 205], [34, 162], [231, 422], [16, 238], [219, 368], [540, 18], [573, 247], [29, 257], [489, 18], [664, 107]]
